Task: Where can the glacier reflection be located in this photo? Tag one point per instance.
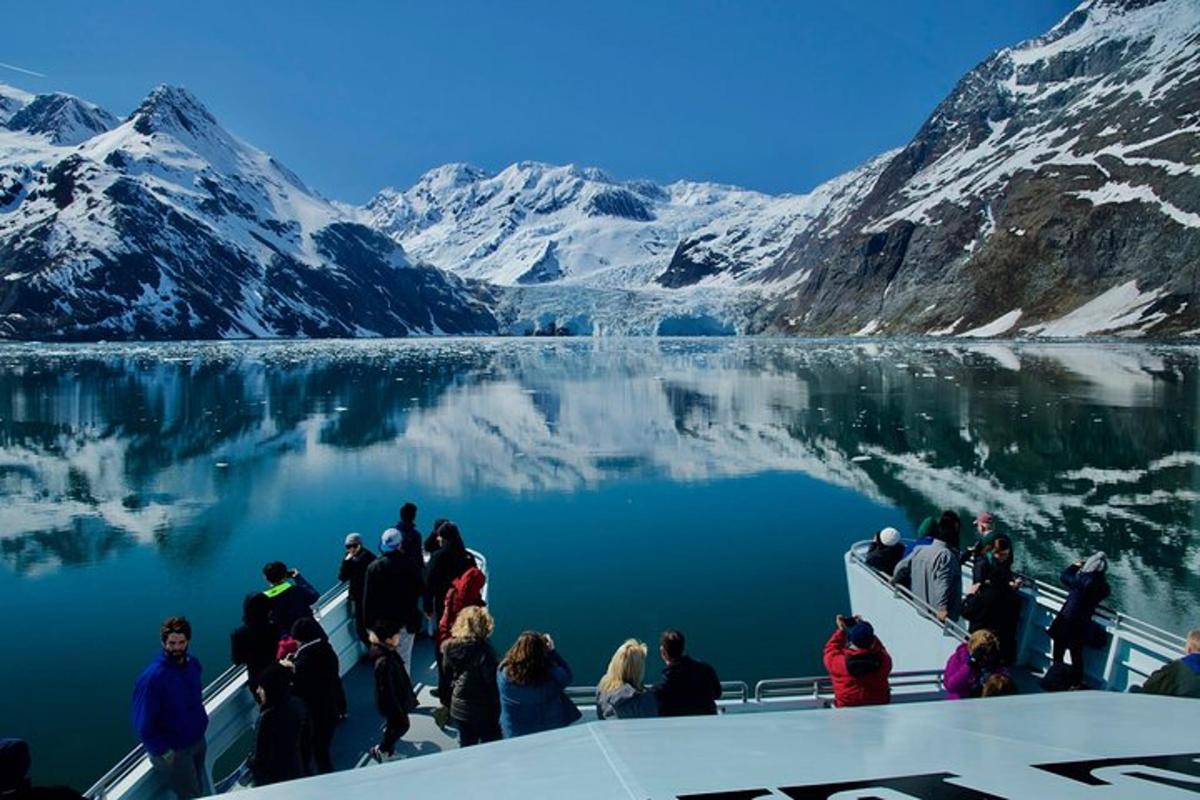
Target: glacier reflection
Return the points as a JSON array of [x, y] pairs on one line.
[[1077, 447]]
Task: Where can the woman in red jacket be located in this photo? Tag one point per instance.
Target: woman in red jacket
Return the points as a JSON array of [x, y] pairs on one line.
[[858, 664]]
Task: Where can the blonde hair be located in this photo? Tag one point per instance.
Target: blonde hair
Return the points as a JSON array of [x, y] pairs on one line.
[[1193, 641], [984, 646], [473, 622], [628, 665]]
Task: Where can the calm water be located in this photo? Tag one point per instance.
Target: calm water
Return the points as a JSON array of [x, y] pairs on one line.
[[616, 486]]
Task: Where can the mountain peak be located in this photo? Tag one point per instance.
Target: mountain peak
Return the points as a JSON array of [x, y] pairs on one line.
[[64, 119], [452, 176], [172, 109], [12, 100]]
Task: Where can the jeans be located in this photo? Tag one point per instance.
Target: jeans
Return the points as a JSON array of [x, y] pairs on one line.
[[186, 774], [405, 649]]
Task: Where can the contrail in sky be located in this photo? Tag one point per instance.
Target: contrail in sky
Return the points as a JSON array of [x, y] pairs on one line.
[[22, 69]]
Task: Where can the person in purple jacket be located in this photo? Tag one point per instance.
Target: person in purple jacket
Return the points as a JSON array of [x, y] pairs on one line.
[[972, 664], [168, 713]]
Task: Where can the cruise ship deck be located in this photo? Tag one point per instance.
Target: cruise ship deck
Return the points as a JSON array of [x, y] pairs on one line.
[[1070, 745], [779, 738]]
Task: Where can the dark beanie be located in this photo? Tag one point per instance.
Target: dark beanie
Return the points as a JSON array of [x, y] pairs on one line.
[[14, 764], [861, 635]]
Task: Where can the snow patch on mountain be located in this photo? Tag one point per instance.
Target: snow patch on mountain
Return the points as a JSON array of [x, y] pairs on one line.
[[1120, 308], [1049, 94], [1001, 325]]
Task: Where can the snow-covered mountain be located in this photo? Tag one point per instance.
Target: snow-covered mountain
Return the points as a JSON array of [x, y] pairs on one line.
[[167, 226], [1055, 192], [536, 223], [585, 253], [62, 119]]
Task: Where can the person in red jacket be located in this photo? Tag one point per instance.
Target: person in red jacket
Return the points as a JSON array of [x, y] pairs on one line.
[[858, 664]]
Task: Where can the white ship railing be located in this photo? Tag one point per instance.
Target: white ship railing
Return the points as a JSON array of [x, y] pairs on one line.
[[810, 691], [820, 687], [231, 709], [1133, 648]]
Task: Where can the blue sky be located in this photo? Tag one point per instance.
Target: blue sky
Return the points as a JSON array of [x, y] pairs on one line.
[[776, 96]]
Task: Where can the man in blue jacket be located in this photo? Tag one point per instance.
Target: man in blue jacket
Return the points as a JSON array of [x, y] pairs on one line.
[[168, 713]]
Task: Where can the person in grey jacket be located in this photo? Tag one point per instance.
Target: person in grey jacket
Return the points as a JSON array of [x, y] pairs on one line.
[[933, 571], [620, 693]]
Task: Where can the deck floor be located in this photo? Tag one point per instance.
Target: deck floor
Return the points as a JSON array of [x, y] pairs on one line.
[[363, 727]]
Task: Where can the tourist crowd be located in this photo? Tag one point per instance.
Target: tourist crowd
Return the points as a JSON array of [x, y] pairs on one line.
[[414, 584], [418, 584]]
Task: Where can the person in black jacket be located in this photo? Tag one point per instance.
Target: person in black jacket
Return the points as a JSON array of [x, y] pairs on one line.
[[354, 569], [993, 602], [432, 542], [449, 561], [469, 664], [393, 593], [291, 595], [254, 642], [317, 681], [282, 739], [688, 687], [410, 537], [394, 697], [1072, 628], [885, 551]]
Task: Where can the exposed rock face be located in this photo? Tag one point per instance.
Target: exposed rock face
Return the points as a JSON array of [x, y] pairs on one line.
[[1060, 173], [62, 119], [168, 227], [1055, 191]]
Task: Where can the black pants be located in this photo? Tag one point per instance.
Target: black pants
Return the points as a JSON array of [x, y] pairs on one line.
[[469, 734], [393, 728], [1076, 651], [322, 738], [360, 622]]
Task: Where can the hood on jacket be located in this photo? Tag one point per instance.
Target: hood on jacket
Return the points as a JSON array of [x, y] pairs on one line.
[[256, 610], [470, 583]]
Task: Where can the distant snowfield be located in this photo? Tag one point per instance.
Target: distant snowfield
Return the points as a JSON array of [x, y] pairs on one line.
[[1117, 309]]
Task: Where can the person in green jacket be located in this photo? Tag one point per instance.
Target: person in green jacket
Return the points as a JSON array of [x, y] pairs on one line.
[[1180, 678]]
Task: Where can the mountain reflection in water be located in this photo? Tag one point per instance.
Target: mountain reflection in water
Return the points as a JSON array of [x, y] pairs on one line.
[[173, 449]]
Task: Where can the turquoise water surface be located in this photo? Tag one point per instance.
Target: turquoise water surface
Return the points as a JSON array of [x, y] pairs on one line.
[[616, 486]]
